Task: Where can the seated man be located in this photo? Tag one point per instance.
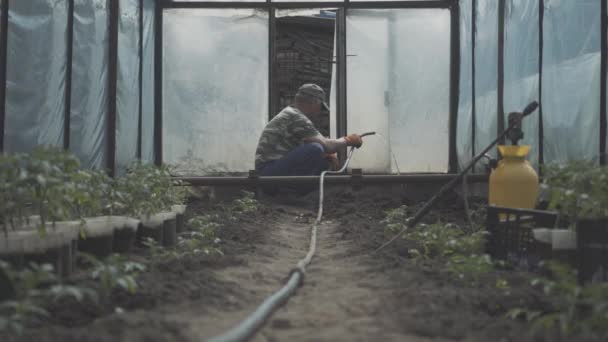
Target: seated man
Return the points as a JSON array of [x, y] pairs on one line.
[[290, 145]]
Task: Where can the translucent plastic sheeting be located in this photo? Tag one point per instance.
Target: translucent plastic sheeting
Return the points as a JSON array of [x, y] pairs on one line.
[[127, 118], [89, 83], [486, 59], [147, 131], [36, 66], [398, 86], [215, 88], [571, 79], [464, 138], [521, 67]]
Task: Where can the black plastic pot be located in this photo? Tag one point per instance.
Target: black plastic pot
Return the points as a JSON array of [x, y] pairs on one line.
[[592, 248], [150, 231], [169, 232], [99, 246], [124, 238], [180, 225], [7, 291]]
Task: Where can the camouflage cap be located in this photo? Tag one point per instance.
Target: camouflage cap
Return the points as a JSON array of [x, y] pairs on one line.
[[315, 91]]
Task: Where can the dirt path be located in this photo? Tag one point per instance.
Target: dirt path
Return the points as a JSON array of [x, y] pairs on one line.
[[348, 294], [341, 299]]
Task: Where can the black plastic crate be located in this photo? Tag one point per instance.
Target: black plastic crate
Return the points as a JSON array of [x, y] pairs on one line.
[[510, 235], [592, 248]]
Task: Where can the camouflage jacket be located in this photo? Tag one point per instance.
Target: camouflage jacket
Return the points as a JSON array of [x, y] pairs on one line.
[[282, 134]]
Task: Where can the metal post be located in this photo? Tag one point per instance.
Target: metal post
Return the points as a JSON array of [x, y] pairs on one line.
[[473, 83], [112, 85], [158, 83], [501, 69], [341, 64], [541, 19], [311, 4], [3, 61], [603, 77], [272, 108], [68, 77], [141, 78], [454, 85]]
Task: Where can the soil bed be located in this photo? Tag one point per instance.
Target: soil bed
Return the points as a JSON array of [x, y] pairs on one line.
[[349, 294]]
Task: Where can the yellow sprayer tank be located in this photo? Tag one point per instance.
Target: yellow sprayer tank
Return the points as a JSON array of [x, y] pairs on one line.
[[513, 183]]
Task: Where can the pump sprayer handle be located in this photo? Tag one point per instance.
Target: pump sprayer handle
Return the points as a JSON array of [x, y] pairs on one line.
[[366, 134], [530, 108]]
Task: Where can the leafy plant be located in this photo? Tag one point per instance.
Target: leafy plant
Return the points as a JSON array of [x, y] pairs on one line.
[[147, 189], [34, 286], [114, 272], [462, 250], [577, 189], [246, 204], [396, 218], [470, 268], [576, 310]]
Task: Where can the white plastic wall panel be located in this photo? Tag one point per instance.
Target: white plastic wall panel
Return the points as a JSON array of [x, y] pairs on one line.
[[368, 74], [464, 138], [215, 88], [127, 118], [35, 72], [571, 79], [398, 85], [147, 132], [89, 82], [521, 67]]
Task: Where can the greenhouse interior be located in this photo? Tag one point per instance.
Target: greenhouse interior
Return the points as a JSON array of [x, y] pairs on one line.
[[315, 170]]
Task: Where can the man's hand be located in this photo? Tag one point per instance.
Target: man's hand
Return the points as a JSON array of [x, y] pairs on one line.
[[353, 140], [334, 164]]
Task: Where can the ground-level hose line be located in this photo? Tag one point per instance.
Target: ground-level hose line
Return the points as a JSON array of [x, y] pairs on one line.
[[247, 328]]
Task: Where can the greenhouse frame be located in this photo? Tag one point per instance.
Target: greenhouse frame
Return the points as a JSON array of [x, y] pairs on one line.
[[109, 81]]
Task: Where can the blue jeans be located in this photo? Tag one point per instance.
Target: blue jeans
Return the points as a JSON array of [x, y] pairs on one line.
[[304, 160]]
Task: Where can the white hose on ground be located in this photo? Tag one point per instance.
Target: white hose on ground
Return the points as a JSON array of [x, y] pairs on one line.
[[247, 328]]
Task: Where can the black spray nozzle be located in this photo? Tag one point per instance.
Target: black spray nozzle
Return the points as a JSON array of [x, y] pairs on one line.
[[366, 134], [530, 108], [515, 129]]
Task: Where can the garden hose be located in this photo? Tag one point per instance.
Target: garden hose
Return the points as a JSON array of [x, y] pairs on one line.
[[247, 328]]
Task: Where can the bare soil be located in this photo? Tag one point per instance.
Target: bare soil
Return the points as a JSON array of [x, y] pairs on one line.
[[349, 293]]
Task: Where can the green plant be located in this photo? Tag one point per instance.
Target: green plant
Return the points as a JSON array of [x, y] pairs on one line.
[[246, 204], [576, 310], [470, 268], [114, 272], [34, 286], [396, 218], [146, 189], [12, 196], [577, 189], [444, 240]]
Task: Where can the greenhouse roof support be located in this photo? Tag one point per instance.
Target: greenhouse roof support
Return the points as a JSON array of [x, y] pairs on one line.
[[603, 80], [310, 4], [112, 86], [3, 51], [141, 79], [454, 85], [541, 19], [501, 69], [68, 76]]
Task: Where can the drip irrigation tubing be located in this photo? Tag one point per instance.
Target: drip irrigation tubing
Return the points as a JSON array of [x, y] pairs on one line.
[[248, 327]]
